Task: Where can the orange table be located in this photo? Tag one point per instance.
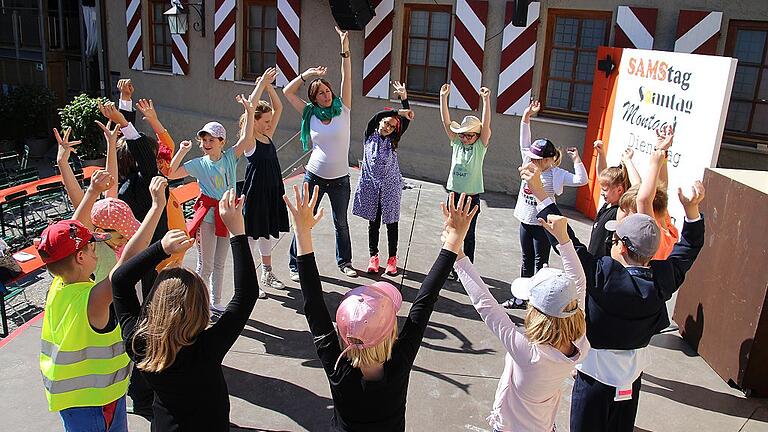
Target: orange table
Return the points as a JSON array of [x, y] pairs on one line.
[[31, 187]]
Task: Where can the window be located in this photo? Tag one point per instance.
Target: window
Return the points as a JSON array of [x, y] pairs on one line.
[[748, 110], [426, 49], [260, 37], [159, 36], [569, 59]]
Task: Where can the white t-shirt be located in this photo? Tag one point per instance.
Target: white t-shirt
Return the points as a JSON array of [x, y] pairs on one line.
[[330, 146]]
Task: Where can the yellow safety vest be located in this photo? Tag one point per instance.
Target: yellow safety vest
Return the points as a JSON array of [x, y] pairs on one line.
[[80, 366]]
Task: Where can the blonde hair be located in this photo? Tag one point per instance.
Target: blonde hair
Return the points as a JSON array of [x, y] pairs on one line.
[[541, 328], [615, 176], [176, 314], [374, 355], [557, 158], [262, 107], [628, 201]]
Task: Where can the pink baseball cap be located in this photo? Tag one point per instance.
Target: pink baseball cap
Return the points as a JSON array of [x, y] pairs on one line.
[[367, 314], [114, 214]]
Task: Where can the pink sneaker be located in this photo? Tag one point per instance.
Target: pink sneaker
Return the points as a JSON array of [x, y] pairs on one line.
[[392, 266], [373, 264]]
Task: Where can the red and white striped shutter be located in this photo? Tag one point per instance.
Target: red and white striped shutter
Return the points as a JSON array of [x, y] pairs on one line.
[[377, 50], [288, 14], [133, 25], [180, 51], [468, 46], [698, 32], [224, 40], [635, 27], [518, 53]]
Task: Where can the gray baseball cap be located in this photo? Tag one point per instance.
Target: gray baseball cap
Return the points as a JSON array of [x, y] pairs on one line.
[[639, 232], [549, 291]]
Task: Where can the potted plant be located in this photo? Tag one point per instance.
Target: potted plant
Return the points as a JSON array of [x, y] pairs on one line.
[[80, 115], [28, 110]]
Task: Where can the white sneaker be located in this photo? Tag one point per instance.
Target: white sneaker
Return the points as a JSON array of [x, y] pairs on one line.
[[348, 270], [295, 276], [262, 293], [268, 279]]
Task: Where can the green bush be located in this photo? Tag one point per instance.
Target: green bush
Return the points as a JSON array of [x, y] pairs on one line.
[[80, 115], [26, 111]]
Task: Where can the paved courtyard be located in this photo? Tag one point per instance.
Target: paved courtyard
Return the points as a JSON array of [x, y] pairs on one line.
[[276, 383]]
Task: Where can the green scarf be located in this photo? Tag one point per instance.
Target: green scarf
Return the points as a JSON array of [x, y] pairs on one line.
[[323, 114]]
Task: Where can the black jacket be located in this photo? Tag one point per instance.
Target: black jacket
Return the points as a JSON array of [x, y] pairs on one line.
[[626, 306]]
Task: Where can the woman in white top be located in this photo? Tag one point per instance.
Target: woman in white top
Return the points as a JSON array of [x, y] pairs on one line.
[[534, 245], [325, 128]]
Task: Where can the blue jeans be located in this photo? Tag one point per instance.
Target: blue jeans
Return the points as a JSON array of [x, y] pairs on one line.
[[338, 191], [91, 419]]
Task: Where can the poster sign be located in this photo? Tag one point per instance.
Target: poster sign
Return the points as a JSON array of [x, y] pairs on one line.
[[686, 91]]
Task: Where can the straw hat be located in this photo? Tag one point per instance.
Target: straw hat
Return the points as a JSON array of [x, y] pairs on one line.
[[470, 123]]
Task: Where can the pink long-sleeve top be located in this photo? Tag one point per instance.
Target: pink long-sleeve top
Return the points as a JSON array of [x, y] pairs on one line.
[[530, 387]]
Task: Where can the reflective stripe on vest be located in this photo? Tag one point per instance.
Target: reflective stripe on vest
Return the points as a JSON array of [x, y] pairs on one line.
[[86, 381], [61, 358]]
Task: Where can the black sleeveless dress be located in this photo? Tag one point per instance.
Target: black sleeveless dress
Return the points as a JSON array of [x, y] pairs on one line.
[[264, 209]]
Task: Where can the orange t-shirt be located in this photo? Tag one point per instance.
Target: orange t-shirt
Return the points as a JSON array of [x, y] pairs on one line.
[[669, 237], [173, 207]]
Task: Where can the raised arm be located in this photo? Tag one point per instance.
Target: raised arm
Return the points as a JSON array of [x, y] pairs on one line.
[[664, 142], [293, 87], [176, 171], [126, 99], [579, 177], [277, 109], [485, 132], [456, 223], [110, 136], [315, 310], [493, 315], [246, 142], [143, 235], [445, 115], [525, 128], [602, 162], [346, 69], [405, 119], [626, 160], [71, 185], [221, 336], [101, 181], [557, 227], [648, 187]]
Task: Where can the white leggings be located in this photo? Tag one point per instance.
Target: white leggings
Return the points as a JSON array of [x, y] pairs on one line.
[[212, 255], [263, 244]]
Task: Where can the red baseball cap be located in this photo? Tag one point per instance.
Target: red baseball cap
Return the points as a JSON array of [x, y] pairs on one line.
[[64, 238]]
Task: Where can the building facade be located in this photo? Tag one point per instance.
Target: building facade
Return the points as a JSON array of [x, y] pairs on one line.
[[193, 78]]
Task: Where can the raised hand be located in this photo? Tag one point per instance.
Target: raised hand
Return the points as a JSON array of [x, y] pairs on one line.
[[110, 134], [147, 108], [65, 145], [628, 154], [400, 90], [157, 187], [664, 138], [532, 109], [691, 203], [248, 104], [532, 176], [101, 181], [573, 152], [407, 113], [343, 37], [126, 88], [456, 220], [231, 212], [658, 156], [110, 111], [318, 71], [445, 90], [176, 242], [598, 145], [557, 226], [302, 208], [269, 76], [185, 146], [485, 93]]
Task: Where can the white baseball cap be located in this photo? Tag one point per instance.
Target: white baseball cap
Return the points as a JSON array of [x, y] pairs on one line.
[[215, 129], [549, 290]]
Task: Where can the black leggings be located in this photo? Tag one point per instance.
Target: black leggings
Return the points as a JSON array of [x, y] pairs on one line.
[[535, 248], [373, 235]]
